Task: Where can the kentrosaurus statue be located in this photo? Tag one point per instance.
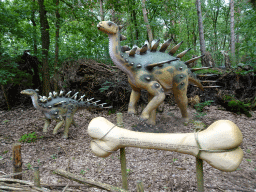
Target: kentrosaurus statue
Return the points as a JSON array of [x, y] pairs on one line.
[[60, 108], [155, 71]]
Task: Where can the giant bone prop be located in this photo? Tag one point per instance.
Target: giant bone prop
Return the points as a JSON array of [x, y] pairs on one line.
[[218, 144]]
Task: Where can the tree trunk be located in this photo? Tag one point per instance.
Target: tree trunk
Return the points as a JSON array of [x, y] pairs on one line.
[[34, 27], [201, 32], [57, 35], [101, 10], [150, 34], [45, 38], [232, 31]]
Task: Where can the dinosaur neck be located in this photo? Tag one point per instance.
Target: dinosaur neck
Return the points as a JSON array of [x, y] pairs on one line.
[[115, 54], [35, 101]]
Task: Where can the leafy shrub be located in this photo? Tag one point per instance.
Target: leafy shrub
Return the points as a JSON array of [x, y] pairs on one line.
[[28, 138], [200, 106]]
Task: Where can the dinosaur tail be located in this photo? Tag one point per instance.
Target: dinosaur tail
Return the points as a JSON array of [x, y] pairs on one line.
[[192, 78]]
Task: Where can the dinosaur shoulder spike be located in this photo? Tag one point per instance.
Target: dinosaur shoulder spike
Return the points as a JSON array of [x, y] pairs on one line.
[[133, 51], [144, 49], [49, 98], [183, 53], [165, 45], [175, 48], [155, 45], [68, 94], [193, 60], [61, 93]]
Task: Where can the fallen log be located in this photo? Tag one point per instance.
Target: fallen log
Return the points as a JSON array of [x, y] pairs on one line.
[[218, 145]]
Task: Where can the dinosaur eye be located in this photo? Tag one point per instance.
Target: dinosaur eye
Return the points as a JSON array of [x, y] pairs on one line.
[[109, 23]]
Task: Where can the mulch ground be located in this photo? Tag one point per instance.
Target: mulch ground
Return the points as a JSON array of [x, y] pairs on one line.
[[158, 170]]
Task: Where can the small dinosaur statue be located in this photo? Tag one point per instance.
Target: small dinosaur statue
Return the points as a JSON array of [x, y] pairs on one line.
[[60, 108], [155, 71]]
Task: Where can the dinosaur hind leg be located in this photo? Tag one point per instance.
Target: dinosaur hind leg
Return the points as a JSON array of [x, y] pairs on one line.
[[152, 116], [157, 94], [69, 120], [46, 125], [60, 121]]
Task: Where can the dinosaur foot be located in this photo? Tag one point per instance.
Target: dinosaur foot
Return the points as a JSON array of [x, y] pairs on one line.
[[65, 136]]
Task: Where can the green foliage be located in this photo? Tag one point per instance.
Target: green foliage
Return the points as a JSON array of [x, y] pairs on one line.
[[208, 71], [200, 106], [237, 106], [106, 85], [28, 138]]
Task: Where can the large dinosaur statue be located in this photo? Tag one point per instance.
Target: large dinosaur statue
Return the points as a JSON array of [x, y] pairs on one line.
[[60, 108], [155, 71]]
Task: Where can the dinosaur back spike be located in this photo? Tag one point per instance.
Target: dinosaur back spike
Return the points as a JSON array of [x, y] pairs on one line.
[[50, 94], [196, 69], [144, 49], [182, 53], [160, 63], [125, 48], [55, 94], [122, 38], [68, 94], [133, 51], [74, 96], [175, 48], [155, 45], [49, 98], [193, 60], [165, 45], [61, 93]]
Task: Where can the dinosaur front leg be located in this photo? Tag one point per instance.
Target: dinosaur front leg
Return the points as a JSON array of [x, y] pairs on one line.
[[46, 125], [180, 95], [74, 123], [157, 93], [60, 121], [134, 98], [152, 116]]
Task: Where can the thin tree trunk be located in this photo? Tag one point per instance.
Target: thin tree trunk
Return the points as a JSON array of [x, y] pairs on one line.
[[150, 34], [34, 27], [232, 31], [101, 10], [57, 35], [201, 31], [45, 38]]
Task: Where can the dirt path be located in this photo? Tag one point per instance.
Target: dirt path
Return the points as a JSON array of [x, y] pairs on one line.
[[158, 170]]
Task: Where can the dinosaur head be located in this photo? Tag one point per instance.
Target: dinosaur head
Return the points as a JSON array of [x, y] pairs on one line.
[[108, 27], [29, 92]]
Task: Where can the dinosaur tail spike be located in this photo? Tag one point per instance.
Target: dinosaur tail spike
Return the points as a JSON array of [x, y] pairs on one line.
[[68, 94], [196, 69], [183, 53], [133, 51], [144, 49], [175, 48], [154, 45], [165, 45], [88, 100], [193, 60]]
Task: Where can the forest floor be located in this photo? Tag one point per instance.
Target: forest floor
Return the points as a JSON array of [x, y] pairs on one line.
[[158, 170]]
